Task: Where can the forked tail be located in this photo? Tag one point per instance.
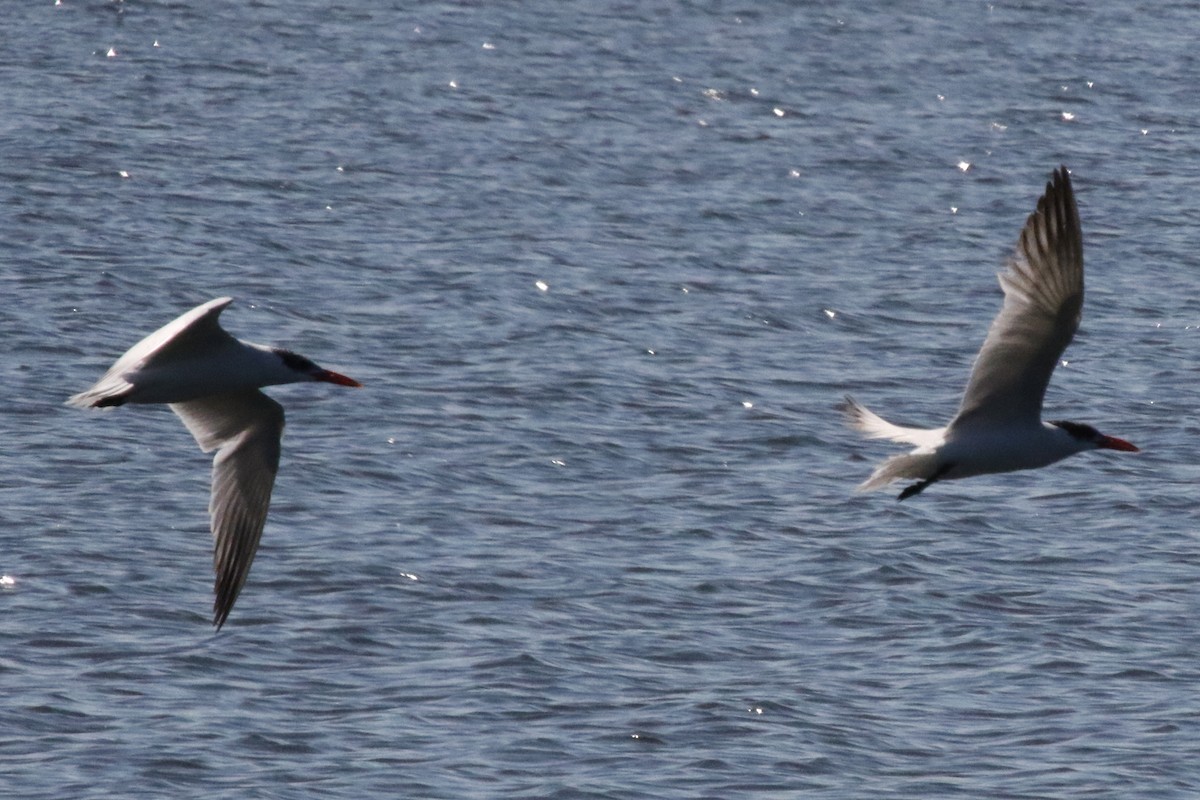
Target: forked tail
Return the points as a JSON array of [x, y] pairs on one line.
[[909, 466], [874, 426], [101, 396], [920, 465]]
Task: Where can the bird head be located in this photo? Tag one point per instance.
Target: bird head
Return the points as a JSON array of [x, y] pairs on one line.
[[306, 370], [1088, 438]]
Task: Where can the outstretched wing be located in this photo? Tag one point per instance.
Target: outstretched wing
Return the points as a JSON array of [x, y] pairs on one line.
[[245, 429]]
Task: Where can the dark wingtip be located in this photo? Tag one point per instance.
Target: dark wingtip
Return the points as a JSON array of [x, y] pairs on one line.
[[1059, 183], [1060, 176], [226, 596]]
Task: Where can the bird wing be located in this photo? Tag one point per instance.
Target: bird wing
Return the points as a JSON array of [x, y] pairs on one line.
[[1043, 299], [244, 428], [197, 330], [193, 330]]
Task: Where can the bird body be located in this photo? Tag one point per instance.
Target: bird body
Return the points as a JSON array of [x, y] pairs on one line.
[[191, 357], [211, 381], [998, 427]]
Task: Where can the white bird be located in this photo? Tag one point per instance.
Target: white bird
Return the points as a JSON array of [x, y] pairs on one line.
[[212, 380], [998, 427]]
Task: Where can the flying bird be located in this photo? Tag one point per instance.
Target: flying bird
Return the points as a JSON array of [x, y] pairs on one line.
[[212, 381], [999, 427]]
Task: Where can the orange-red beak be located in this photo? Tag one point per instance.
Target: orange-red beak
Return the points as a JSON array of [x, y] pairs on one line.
[[329, 376], [1113, 443]]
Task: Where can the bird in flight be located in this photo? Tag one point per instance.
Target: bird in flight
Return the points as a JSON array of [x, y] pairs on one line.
[[212, 381], [999, 425]]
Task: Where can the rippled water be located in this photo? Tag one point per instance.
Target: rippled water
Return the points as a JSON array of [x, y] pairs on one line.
[[589, 531]]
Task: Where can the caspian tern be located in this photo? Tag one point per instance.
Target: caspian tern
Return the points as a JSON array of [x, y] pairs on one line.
[[998, 427], [212, 380]]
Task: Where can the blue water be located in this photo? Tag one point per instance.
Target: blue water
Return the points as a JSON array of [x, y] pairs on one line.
[[589, 531]]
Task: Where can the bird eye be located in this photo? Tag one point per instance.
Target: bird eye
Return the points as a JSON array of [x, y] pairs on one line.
[[295, 361]]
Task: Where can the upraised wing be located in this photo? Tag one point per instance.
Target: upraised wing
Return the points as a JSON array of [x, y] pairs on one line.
[[195, 331], [1043, 299]]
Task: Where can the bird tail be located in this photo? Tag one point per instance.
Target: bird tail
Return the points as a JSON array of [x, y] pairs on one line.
[[917, 466], [921, 465], [103, 395], [874, 426]]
